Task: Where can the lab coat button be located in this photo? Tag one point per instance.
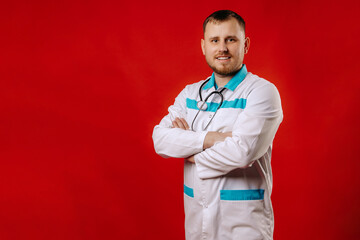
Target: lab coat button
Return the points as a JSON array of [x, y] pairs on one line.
[[210, 116]]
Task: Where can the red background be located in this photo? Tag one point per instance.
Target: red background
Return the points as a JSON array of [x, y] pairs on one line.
[[83, 83]]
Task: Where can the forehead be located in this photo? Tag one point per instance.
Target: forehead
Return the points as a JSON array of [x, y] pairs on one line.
[[230, 27]]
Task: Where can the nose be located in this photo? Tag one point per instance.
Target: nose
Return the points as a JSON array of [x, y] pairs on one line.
[[223, 46]]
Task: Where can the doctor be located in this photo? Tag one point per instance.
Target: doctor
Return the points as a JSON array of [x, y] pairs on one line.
[[224, 127]]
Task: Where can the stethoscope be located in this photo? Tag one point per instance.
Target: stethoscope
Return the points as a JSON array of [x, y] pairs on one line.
[[202, 106]]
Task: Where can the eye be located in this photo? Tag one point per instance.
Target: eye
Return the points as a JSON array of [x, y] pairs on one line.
[[231, 40], [214, 40]]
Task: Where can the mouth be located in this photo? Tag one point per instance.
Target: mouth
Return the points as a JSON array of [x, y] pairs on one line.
[[223, 58]]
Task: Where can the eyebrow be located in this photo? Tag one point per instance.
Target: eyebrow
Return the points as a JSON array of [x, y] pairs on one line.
[[231, 36]]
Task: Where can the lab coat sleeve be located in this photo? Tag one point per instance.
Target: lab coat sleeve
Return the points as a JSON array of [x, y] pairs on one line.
[[176, 142], [253, 133]]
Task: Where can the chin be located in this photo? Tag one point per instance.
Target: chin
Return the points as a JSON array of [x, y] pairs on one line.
[[225, 72]]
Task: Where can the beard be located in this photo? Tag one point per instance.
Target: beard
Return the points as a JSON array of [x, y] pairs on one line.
[[224, 70]]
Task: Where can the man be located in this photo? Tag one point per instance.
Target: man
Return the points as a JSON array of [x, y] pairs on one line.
[[224, 128]]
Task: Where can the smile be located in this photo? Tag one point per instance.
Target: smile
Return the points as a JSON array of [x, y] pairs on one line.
[[223, 58]]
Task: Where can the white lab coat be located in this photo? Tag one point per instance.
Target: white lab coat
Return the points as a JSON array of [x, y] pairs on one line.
[[227, 191]]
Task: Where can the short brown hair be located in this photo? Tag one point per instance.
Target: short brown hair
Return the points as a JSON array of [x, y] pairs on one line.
[[223, 15]]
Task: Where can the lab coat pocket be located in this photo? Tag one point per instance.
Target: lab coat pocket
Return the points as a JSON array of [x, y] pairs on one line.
[[243, 215], [192, 218]]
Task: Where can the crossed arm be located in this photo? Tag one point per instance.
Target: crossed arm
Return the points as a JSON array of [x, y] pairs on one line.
[[251, 137], [210, 139]]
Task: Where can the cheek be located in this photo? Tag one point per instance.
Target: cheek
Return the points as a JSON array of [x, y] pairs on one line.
[[238, 52], [208, 50], [208, 58], [209, 54]]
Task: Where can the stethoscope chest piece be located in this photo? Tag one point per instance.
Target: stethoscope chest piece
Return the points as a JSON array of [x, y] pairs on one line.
[[202, 105]]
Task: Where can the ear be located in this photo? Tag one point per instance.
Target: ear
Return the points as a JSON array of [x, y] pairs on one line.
[[203, 46], [247, 45]]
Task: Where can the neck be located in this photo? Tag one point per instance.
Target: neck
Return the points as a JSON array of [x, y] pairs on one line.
[[222, 80]]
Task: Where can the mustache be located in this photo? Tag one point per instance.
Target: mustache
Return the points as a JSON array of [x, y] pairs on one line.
[[223, 55]]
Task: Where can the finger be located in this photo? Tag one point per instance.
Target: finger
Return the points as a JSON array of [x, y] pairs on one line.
[[175, 125], [180, 123], [191, 159], [184, 123]]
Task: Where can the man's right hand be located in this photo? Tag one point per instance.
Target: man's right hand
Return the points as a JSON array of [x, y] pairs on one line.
[[212, 137]]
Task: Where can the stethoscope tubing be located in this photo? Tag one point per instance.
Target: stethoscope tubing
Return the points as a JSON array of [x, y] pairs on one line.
[[203, 103]]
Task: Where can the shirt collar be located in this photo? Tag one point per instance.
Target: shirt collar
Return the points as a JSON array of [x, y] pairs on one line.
[[233, 83]]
